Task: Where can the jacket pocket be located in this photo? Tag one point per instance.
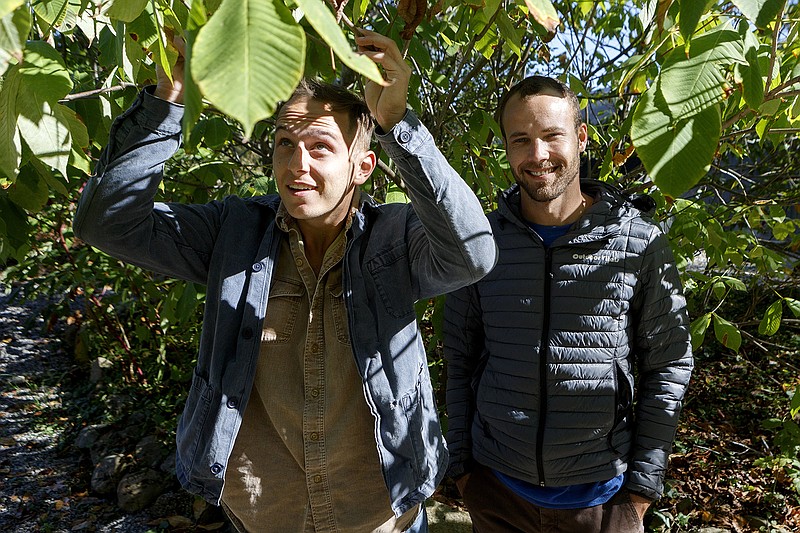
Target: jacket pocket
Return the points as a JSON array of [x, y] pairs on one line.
[[282, 308], [418, 419], [623, 409], [391, 276], [191, 426]]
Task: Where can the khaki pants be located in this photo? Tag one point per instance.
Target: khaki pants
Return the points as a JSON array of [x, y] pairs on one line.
[[495, 508]]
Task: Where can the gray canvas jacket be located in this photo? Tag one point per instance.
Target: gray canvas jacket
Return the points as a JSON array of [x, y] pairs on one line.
[[395, 255], [541, 352]]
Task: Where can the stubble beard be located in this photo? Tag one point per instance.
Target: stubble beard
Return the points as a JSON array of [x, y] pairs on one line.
[[547, 192]]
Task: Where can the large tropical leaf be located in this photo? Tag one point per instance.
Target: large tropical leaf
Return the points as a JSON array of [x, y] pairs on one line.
[[14, 28], [7, 6], [322, 20], [126, 10], [691, 13], [45, 133], [676, 153], [692, 84], [760, 12], [248, 58], [10, 143]]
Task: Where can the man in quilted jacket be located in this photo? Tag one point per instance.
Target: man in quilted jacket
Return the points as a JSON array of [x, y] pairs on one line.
[[568, 363]]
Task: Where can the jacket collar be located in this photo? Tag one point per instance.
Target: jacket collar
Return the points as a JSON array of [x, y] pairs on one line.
[[602, 220]]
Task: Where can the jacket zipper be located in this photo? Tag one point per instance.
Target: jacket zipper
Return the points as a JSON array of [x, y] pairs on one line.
[[543, 354]]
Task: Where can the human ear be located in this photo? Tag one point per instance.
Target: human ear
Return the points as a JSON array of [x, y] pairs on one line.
[[583, 137], [364, 167]]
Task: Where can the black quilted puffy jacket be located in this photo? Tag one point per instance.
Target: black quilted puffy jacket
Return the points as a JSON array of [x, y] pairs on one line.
[[543, 352]]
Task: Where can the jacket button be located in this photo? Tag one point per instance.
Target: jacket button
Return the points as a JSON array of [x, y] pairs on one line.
[[233, 403], [247, 333], [404, 137], [257, 267], [216, 468], [317, 479]]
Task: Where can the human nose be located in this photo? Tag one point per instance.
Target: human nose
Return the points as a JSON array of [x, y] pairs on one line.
[[298, 163], [539, 151]]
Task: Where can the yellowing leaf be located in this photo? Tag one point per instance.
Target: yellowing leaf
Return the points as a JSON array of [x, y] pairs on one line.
[[544, 13]]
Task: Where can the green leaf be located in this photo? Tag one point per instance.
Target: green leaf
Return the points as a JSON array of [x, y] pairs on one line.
[[690, 85], [323, 21], [10, 142], [698, 330], [43, 73], [761, 12], [771, 322], [187, 302], [216, 132], [29, 191], [727, 334], [793, 305], [691, 13], [126, 10], [46, 134], [14, 229], [254, 46], [794, 406], [676, 154], [77, 129], [50, 14], [7, 6], [14, 29]]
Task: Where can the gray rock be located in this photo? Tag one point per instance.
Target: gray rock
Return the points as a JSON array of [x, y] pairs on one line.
[[139, 489], [99, 366], [108, 473], [149, 452], [87, 437]]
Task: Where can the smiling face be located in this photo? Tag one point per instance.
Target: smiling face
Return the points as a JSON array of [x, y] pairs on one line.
[[315, 172], [543, 145]]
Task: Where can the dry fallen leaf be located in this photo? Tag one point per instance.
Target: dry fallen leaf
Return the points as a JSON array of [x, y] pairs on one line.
[[412, 12]]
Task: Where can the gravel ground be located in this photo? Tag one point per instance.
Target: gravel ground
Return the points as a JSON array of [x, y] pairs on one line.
[[44, 478]]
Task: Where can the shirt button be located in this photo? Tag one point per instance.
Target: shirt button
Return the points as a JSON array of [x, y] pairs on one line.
[[233, 403], [404, 137], [314, 436], [298, 262], [315, 348], [314, 392], [257, 267], [216, 468], [247, 333], [317, 479]]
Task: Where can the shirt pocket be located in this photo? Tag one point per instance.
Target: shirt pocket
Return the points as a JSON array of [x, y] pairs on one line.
[[282, 310]]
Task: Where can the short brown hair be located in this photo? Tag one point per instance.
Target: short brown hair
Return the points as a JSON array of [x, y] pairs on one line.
[[533, 85], [340, 100]]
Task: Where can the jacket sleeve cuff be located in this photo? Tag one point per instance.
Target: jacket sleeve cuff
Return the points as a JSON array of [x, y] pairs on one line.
[[405, 137], [157, 114], [646, 491], [459, 469]]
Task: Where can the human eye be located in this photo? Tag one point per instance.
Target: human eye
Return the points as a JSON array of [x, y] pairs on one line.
[[283, 142]]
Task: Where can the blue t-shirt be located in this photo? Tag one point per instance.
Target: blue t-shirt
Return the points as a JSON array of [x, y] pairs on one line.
[[569, 497], [549, 233]]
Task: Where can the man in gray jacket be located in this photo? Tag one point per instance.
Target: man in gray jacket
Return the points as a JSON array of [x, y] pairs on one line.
[[311, 407], [548, 429]]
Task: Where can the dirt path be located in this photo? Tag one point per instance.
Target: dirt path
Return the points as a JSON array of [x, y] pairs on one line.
[[43, 476]]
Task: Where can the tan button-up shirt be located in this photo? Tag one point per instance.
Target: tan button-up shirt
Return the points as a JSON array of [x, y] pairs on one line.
[[305, 458]]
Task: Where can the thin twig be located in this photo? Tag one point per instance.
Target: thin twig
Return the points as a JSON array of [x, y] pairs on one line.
[[95, 92]]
